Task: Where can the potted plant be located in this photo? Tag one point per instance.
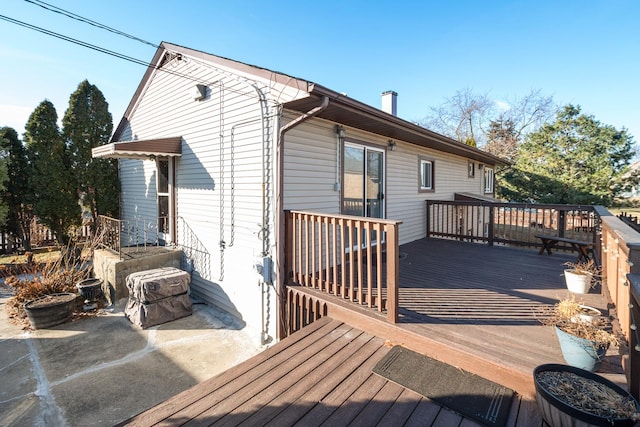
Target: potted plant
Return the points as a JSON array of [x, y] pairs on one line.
[[580, 276], [569, 396], [46, 293], [584, 339]]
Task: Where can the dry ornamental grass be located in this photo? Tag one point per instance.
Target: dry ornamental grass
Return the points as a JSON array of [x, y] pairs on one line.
[[588, 395]]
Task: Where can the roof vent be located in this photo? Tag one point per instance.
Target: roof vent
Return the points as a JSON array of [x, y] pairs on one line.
[[200, 92], [390, 102]]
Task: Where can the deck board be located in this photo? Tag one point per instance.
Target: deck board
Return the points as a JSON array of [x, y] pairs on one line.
[[466, 304], [320, 378], [485, 301]]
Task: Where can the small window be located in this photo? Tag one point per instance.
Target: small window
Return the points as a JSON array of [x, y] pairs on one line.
[[472, 170], [426, 175], [488, 180]]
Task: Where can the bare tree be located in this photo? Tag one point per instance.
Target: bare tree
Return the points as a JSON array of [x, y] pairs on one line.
[[520, 117], [529, 112], [463, 117]]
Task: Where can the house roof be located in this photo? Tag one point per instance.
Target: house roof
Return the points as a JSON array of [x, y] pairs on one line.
[[353, 113], [341, 109]]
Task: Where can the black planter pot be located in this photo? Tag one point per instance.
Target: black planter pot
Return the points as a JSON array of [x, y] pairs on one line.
[[90, 290], [558, 413], [50, 310]]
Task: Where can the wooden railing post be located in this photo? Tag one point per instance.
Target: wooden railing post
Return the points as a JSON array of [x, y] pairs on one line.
[[393, 273], [562, 223], [491, 228], [428, 204], [633, 368]]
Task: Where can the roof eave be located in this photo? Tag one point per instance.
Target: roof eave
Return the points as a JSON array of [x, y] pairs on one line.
[[411, 132]]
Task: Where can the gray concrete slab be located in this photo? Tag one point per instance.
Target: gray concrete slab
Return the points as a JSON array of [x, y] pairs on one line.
[[97, 371]]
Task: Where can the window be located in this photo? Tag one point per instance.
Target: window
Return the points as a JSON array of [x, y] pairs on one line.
[[488, 180], [426, 175], [163, 193], [472, 169]]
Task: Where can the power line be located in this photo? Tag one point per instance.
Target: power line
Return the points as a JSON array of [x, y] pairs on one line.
[[77, 17], [117, 54], [76, 41]]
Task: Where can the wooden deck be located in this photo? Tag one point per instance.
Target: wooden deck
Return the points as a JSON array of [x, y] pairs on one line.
[[469, 305], [320, 375], [474, 306]]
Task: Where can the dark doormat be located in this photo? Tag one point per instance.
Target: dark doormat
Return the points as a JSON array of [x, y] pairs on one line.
[[463, 392]]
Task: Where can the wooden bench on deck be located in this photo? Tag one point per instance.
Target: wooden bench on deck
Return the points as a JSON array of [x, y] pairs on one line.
[[583, 248]]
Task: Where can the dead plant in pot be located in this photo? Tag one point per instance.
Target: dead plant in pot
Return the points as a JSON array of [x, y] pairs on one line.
[[57, 277], [581, 276], [584, 339]]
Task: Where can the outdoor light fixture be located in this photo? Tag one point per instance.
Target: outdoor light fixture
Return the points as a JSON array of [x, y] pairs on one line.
[[340, 131], [391, 145]]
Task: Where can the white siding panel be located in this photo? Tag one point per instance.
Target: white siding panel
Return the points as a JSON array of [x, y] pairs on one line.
[[310, 168], [310, 175], [219, 191], [138, 194]]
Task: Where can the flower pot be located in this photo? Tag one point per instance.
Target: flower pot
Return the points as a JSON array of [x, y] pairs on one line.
[[579, 283], [579, 352], [587, 314], [558, 409], [50, 310], [90, 289]]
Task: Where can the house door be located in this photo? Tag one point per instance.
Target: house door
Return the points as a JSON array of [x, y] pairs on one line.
[[363, 181], [166, 215]]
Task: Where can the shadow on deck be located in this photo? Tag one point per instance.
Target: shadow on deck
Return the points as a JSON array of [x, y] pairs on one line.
[[474, 306], [468, 305]]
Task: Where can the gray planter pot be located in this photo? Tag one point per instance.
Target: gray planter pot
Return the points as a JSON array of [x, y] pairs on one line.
[[50, 310]]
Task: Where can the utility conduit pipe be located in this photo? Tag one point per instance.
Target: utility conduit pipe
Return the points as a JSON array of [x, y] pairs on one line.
[[280, 274]]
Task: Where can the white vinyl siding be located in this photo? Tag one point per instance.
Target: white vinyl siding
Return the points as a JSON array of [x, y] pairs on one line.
[[219, 192], [310, 164], [138, 204], [310, 175]]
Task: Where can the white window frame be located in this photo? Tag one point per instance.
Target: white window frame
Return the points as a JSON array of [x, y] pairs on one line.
[[471, 173], [168, 234], [489, 178], [423, 163]]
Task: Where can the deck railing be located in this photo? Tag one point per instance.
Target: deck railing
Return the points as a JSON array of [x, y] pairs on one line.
[[515, 224], [621, 281], [139, 232], [353, 258], [616, 245]]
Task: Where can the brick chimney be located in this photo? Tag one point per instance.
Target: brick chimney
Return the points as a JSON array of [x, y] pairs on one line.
[[390, 102]]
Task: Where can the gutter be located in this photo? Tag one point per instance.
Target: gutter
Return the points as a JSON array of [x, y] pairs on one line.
[[280, 273], [357, 107]]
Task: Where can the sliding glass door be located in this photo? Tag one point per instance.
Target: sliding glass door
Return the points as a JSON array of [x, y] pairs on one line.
[[363, 180]]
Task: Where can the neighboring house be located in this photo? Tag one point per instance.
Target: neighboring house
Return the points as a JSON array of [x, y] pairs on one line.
[[634, 193], [212, 151]]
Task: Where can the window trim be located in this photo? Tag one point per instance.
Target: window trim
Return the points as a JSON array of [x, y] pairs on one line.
[[471, 169], [489, 184], [423, 160]]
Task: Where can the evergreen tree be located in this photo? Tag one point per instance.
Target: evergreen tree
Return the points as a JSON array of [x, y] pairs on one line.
[[55, 200], [4, 209], [87, 124], [16, 192], [574, 160]]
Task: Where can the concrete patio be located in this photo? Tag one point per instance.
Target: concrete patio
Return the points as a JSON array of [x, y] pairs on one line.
[[98, 371]]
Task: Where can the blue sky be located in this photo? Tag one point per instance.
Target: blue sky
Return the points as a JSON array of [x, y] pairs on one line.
[[582, 52]]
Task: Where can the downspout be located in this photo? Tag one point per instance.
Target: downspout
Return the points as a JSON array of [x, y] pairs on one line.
[[280, 273]]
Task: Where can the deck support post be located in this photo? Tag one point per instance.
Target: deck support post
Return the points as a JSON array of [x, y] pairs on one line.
[[393, 273]]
